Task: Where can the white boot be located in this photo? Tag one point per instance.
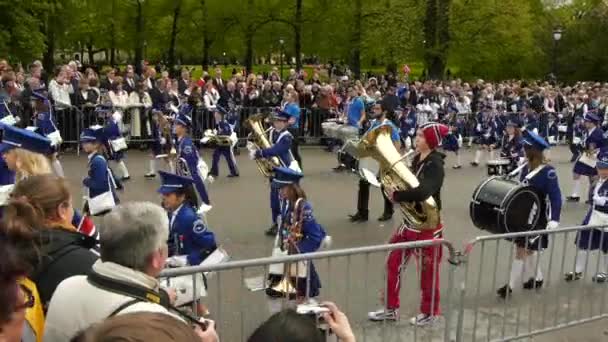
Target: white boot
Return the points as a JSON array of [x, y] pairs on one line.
[[152, 171], [123, 170]]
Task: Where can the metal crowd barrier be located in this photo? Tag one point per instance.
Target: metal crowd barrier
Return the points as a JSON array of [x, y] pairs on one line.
[[526, 313], [352, 278], [471, 309]]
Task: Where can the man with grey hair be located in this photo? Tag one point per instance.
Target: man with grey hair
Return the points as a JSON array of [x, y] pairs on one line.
[[133, 247]]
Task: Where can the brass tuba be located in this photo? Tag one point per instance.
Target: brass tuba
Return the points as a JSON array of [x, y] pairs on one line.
[[395, 176], [260, 141]]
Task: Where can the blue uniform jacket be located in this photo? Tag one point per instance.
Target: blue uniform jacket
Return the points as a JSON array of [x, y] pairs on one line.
[[511, 148], [223, 128], [594, 139], [7, 176], [188, 155], [408, 124], [188, 235], [98, 180], [281, 147], [312, 232], [450, 142], [45, 123], [545, 182]]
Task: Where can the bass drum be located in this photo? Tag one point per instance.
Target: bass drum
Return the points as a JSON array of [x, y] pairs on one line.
[[503, 206]]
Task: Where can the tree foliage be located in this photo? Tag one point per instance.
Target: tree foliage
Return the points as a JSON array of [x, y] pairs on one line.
[[474, 38]]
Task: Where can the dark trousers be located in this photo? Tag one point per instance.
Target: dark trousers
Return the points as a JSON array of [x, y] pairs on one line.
[[363, 199], [295, 146]]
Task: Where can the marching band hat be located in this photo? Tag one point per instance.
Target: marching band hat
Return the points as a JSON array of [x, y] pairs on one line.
[[92, 134], [14, 137], [591, 117], [433, 133], [171, 183], [535, 141], [284, 176], [184, 120], [280, 115], [602, 159]]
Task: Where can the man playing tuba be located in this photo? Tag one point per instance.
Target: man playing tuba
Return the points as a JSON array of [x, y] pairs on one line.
[[428, 166]]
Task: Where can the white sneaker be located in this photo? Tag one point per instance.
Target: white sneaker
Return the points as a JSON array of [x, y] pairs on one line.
[[422, 320], [383, 315]]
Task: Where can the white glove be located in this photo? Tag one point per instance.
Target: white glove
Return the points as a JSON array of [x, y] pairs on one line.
[[117, 116], [251, 146], [204, 208], [210, 179], [599, 200], [177, 261], [163, 141], [205, 140], [552, 225], [252, 154]]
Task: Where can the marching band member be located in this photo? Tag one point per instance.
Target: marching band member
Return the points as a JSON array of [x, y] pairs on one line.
[[407, 123], [485, 134], [543, 179], [189, 161], [223, 128], [452, 142], [379, 119], [190, 240], [113, 135], [45, 122], [24, 154], [162, 145], [428, 165], [281, 141], [511, 145], [594, 239], [585, 165], [292, 108], [300, 233], [100, 179]]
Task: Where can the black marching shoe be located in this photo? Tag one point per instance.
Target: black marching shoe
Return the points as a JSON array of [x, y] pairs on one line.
[[358, 217], [385, 217], [272, 231], [504, 292], [475, 164], [456, 167], [232, 176], [533, 284], [573, 198], [571, 276]]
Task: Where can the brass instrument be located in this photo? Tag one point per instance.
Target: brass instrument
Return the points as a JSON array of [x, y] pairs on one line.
[[220, 140], [260, 141], [285, 287], [396, 176]]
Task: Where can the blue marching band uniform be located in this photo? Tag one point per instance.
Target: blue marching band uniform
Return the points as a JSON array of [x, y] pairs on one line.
[[189, 163], [299, 233], [407, 127], [224, 128], [593, 140], [281, 148], [596, 238], [511, 147], [543, 180], [100, 178]]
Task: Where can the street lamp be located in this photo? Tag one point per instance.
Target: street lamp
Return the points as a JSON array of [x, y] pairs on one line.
[[557, 36], [224, 55], [282, 43]]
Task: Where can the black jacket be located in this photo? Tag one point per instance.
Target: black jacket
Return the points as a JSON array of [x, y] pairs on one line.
[[430, 174], [63, 254]]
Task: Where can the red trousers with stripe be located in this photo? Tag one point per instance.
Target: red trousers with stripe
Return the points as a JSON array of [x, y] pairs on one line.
[[428, 260]]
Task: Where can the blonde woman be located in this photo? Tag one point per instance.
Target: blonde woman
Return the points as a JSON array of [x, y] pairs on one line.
[[29, 160]]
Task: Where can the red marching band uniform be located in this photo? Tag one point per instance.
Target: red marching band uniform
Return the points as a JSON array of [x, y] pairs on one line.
[[428, 166]]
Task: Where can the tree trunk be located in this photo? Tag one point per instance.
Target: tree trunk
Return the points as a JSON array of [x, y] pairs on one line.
[[356, 40], [298, 35], [249, 32], [139, 40], [171, 57], [90, 52], [437, 37], [206, 39], [113, 35], [48, 58]]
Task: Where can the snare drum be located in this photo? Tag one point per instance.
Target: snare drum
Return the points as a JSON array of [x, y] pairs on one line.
[[330, 129], [504, 206], [498, 167], [346, 132]]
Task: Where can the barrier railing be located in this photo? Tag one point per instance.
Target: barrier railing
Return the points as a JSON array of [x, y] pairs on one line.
[[487, 263], [471, 310], [348, 277]]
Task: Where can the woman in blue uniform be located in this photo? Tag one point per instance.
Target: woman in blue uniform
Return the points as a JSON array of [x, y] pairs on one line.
[[162, 144], [407, 127], [543, 179], [100, 179], [511, 144], [189, 163], [585, 165], [484, 132], [594, 239], [190, 240], [223, 128], [281, 141], [299, 233], [45, 122], [452, 142], [117, 152]]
